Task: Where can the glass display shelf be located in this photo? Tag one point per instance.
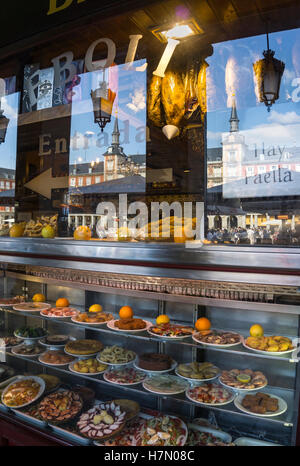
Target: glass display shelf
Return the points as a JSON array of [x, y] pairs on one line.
[[144, 336], [287, 394]]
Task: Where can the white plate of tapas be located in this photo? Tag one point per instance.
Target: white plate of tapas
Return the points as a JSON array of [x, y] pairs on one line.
[[287, 341], [89, 366], [56, 341], [27, 351], [244, 380], [197, 371], [163, 430], [116, 356], [30, 333], [218, 338], [131, 323], [55, 358], [9, 302], [155, 366], [60, 312], [92, 318], [102, 421], [124, 376], [165, 384], [210, 394], [171, 331], [255, 404], [31, 307]]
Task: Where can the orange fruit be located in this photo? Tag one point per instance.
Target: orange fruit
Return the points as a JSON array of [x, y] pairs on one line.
[[202, 324], [82, 233], [16, 230], [126, 312], [256, 331], [39, 298], [162, 319], [62, 302]]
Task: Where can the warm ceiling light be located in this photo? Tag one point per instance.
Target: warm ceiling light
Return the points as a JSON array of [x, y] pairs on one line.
[[178, 31]]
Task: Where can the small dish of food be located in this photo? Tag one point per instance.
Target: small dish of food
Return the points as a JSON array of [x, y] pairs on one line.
[[171, 331], [60, 312], [28, 351], [116, 356], [55, 358], [220, 338], [83, 347], [30, 333], [243, 379], [92, 318], [261, 404], [194, 371], [211, 394], [87, 366], [129, 325]]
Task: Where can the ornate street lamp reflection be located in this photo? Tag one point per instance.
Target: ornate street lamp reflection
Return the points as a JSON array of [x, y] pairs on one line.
[[268, 73], [103, 100]]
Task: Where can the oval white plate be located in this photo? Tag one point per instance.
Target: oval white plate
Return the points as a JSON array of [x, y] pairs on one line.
[[22, 307], [276, 353], [30, 338], [58, 317], [116, 363], [50, 363], [256, 389], [25, 355], [111, 326], [197, 380], [234, 394], [185, 386], [71, 364], [168, 338], [95, 324], [31, 377], [218, 346], [121, 383], [282, 406], [174, 364]]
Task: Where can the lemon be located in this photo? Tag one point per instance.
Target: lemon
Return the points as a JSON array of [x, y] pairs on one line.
[[256, 331], [162, 319], [244, 378], [95, 308], [39, 298], [48, 232]]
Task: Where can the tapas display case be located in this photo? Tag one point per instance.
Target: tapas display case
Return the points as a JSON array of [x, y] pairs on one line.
[[232, 301]]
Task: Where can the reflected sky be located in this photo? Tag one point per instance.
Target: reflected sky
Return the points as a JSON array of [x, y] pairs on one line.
[[87, 142], [8, 149], [230, 72]]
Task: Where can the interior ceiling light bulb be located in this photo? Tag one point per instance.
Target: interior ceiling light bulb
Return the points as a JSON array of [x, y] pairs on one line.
[[179, 31]]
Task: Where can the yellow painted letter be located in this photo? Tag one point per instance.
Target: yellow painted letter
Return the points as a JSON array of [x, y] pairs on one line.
[[53, 8]]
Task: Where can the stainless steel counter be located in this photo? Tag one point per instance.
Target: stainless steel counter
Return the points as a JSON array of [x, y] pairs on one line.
[[156, 253]]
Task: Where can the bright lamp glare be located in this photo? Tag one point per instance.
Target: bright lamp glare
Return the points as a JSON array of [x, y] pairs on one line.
[[178, 32]]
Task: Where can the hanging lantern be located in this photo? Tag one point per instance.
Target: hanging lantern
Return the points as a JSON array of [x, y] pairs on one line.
[[103, 100], [3, 125], [268, 73]]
